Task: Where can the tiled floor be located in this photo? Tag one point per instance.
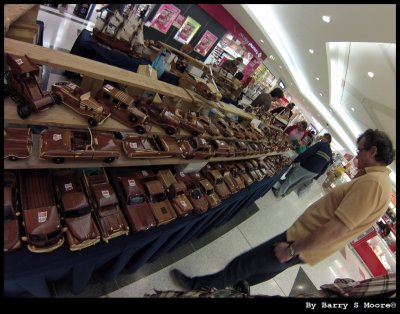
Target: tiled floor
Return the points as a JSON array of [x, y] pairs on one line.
[[266, 218]]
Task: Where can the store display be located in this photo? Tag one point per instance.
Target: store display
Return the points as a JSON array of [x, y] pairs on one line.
[[234, 171], [195, 148], [133, 199], [228, 179], [121, 106], [217, 180], [41, 218], [223, 126], [24, 88], [193, 192], [12, 235], [81, 230], [59, 145], [18, 143], [208, 125], [104, 202]]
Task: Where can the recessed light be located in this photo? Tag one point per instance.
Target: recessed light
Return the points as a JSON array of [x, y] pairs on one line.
[[320, 94], [371, 74], [280, 67], [271, 57], [352, 109], [311, 51], [262, 40], [317, 78], [326, 18]]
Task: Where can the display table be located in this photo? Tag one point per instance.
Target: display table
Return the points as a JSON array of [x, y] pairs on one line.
[[27, 271]]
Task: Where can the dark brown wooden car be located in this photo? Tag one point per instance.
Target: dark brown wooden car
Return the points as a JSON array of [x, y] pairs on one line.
[[243, 174], [223, 127], [133, 199], [18, 143], [194, 194], [24, 88], [41, 218], [104, 202], [235, 175], [121, 106], [81, 230], [82, 103], [12, 237], [208, 125], [209, 192], [150, 147], [67, 144], [222, 148], [217, 180], [196, 148]]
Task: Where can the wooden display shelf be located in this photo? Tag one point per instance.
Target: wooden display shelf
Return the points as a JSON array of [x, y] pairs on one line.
[[34, 162]]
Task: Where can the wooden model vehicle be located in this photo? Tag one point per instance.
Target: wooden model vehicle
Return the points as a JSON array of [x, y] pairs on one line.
[[72, 96], [12, 237], [189, 122], [133, 199], [209, 192], [251, 171], [241, 148], [150, 147], [176, 192], [104, 202], [263, 167], [222, 149], [18, 143], [165, 117], [257, 169], [196, 148], [161, 207], [235, 175], [41, 219], [81, 230], [195, 196], [67, 144], [217, 180], [121, 106], [24, 88], [223, 127], [237, 131], [229, 180], [208, 125], [243, 174]]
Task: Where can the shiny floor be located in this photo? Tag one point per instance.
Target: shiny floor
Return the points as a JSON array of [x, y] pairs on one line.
[[266, 218]]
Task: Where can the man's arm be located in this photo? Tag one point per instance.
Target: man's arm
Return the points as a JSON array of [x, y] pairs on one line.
[[322, 237]]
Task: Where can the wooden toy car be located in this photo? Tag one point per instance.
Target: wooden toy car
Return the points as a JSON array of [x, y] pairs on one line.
[[165, 117], [223, 127], [241, 149], [195, 196], [18, 143], [189, 122], [222, 148], [150, 147], [243, 174], [208, 125], [235, 175], [196, 148], [81, 230], [41, 219], [256, 168], [73, 97], [24, 88], [161, 207], [12, 237], [121, 106], [133, 199], [209, 192], [104, 202], [251, 171], [66, 144], [217, 180], [229, 180]]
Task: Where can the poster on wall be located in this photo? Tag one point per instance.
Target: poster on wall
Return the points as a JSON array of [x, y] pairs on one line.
[[187, 31], [165, 16], [179, 21], [205, 43]]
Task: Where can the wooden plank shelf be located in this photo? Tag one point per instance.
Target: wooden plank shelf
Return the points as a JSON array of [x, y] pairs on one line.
[[34, 162]]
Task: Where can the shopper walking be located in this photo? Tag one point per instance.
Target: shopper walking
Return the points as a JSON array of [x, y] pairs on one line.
[[264, 100], [324, 228], [310, 164]]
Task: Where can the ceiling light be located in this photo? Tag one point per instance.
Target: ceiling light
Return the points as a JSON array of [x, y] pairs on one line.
[[311, 51], [371, 74], [271, 57], [326, 18], [317, 78], [320, 94], [352, 109], [262, 40], [280, 67]]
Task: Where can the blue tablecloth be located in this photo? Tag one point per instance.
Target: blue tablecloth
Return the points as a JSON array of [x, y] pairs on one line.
[[27, 271]]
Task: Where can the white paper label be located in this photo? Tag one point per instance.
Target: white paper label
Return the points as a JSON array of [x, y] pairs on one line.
[[42, 217], [71, 85], [131, 182], [203, 141], [181, 174], [68, 187], [108, 86], [57, 137], [183, 203], [145, 173], [19, 61], [105, 193], [132, 145]]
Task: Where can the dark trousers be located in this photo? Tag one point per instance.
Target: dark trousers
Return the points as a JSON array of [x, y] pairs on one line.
[[257, 265]]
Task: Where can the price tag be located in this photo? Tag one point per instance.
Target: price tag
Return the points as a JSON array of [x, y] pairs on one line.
[[183, 203], [71, 85], [19, 61], [145, 173], [57, 137], [108, 86], [68, 187], [181, 174], [105, 193], [42, 216], [131, 182], [132, 145]]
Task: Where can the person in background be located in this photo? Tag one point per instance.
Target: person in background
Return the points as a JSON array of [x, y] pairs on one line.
[[264, 100], [296, 133], [285, 113], [232, 97], [232, 65], [312, 163], [325, 227]]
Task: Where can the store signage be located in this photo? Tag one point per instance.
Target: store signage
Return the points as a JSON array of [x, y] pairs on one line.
[[187, 31], [165, 16], [205, 43]]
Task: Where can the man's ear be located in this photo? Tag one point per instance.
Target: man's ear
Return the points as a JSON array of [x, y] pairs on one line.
[[374, 151]]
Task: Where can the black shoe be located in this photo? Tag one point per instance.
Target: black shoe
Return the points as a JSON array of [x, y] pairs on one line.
[[181, 279], [243, 287], [275, 191]]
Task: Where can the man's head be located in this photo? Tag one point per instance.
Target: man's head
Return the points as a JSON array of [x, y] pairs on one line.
[[374, 148], [239, 75], [302, 125], [276, 93], [238, 60], [326, 138], [291, 105]]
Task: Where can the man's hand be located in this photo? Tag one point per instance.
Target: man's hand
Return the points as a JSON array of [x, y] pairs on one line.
[[280, 252]]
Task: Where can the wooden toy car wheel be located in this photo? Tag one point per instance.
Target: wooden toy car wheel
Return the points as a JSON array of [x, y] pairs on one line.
[[23, 111], [92, 122], [56, 98], [195, 133], [13, 158], [132, 118], [170, 131], [58, 160], [140, 129], [109, 159]]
